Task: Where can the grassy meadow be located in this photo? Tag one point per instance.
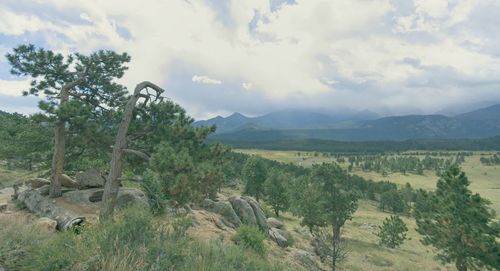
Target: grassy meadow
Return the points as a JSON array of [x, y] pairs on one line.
[[366, 254]]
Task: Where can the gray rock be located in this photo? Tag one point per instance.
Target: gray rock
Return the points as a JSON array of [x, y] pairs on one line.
[[7, 190], [259, 213], [66, 181], [276, 236], [37, 182], [90, 178], [87, 196], [274, 223], [225, 209], [244, 211], [131, 196]]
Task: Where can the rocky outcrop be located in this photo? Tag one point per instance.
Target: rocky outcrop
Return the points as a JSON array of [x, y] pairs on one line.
[[90, 178], [274, 223], [244, 211], [259, 213], [225, 209], [45, 207], [277, 237], [66, 181]]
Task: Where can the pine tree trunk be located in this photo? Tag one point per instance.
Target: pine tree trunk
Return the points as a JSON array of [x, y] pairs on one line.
[[113, 181], [335, 245], [59, 146], [57, 160]]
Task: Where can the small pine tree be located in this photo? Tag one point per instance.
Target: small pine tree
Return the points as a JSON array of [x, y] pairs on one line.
[[254, 174], [392, 233], [276, 194]]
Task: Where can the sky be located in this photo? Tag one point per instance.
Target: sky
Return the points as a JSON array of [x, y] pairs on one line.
[[215, 57]]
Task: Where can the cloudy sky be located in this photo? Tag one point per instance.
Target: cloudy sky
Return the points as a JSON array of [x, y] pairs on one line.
[[255, 56]]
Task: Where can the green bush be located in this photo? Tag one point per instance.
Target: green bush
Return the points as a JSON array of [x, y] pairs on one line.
[[250, 237]]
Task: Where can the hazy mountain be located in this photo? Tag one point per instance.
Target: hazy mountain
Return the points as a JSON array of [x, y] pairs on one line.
[[291, 125], [288, 119]]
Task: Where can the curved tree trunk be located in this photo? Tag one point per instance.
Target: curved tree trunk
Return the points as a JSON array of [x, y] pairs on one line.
[[114, 178]]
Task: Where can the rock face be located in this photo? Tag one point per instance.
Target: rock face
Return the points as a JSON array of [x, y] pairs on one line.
[[277, 237], [37, 182], [259, 213], [225, 209], [44, 207], [90, 178], [244, 211], [274, 223], [130, 196], [66, 181]]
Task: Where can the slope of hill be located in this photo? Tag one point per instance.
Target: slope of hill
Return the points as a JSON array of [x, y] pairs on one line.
[[295, 125]]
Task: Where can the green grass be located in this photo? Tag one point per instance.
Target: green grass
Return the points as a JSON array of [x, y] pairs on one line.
[[365, 252]]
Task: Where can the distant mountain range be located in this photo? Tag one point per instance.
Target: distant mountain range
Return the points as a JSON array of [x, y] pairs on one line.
[[362, 126]]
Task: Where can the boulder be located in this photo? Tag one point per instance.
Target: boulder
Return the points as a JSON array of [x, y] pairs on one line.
[[244, 211], [225, 209], [275, 235], [131, 196], [274, 223], [87, 196], [66, 181], [90, 178], [37, 182], [259, 213], [46, 224]]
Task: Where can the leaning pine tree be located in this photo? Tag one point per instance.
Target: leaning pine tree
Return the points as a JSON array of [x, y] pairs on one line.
[[70, 84], [458, 224]]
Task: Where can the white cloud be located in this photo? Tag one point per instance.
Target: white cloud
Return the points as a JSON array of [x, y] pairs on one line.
[[14, 87], [247, 85], [205, 80], [327, 52]]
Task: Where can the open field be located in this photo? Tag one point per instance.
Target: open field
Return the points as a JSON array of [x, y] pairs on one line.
[[366, 254], [485, 180]]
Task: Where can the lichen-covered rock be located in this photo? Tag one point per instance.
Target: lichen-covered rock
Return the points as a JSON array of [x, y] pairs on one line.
[[37, 182], [90, 178], [66, 181], [244, 211], [259, 213], [225, 209], [87, 196], [276, 236], [274, 223]]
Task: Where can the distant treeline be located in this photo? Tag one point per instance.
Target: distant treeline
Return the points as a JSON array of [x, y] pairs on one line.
[[320, 145]]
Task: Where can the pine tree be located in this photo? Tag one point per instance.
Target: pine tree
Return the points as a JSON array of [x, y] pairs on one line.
[[254, 174], [392, 233], [458, 223], [275, 191]]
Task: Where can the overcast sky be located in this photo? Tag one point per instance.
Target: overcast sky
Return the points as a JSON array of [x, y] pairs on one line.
[[254, 56]]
